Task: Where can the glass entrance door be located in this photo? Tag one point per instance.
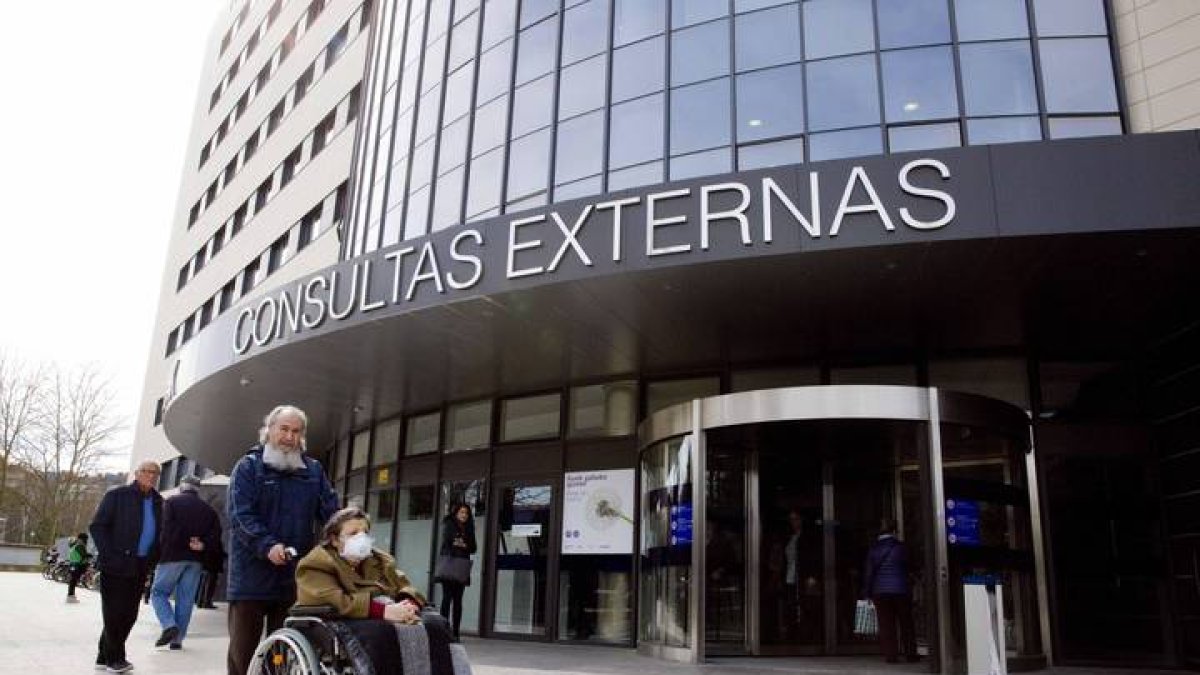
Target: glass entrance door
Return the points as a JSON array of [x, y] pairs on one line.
[[523, 550]]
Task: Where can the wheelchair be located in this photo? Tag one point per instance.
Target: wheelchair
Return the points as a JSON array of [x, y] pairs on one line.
[[310, 643]]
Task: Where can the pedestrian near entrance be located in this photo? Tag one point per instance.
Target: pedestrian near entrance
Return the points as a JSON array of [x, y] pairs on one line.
[[458, 541], [125, 530], [77, 559], [190, 529], [886, 584], [278, 499]]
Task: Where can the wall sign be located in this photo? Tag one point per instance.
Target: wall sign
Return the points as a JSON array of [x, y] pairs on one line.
[[598, 512]]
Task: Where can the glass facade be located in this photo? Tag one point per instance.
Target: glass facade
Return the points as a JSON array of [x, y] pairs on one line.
[[480, 108]]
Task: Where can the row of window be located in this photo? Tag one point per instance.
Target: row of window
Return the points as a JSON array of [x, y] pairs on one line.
[[610, 409], [287, 103], [243, 57], [337, 44], [782, 82], [238, 20], [337, 120], [324, 216]]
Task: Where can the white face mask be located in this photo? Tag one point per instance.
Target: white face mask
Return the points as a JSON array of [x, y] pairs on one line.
[[357, 547]]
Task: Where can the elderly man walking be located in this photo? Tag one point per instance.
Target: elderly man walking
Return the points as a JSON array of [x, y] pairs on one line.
[[190, 529], [125, 531], [278, 499]]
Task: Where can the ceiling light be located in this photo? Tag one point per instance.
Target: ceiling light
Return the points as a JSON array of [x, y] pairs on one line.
[[755, 123], [911, 106]]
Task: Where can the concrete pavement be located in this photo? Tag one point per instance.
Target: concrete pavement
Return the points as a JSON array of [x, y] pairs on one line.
[[42, 635]]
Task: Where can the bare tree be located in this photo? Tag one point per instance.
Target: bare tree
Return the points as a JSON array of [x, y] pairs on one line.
[[20, 387], [73, 428]]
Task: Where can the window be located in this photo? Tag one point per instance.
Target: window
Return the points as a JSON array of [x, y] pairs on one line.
[[535, 50], [233, 68], [468, 425], [218, 242], [273, 12], [495, 67], [193, 214], [171, 338], [767, 38], [264, 76], [580, 150], [252, 44], [581, 87], [289, 166], [230, 170], [909, 23], [529, 418], [997, 78], [337, 45], [206, 313], [585, 30], [603, 409], [225, 300], [204, 153], [186, 331], [308, 228], [158, 411], [275, 118], [221, 130], [528, 165], [422, 435], [251, 145], [314, 10], [184, 273], [644, 174], [1078, 75], [352, 104], [848, 143], [638, 69], [302, 85], [770, 104], [838, 27], [250, 276], [239, 219], [289, 43], [321, 133], [924, 137], [240, 108], [200, 260], [700, 116], [660, 395], [700, 53], [225, 39], [263, 194], [275, 254], [990, 19], [778, 153], [918, 84], [636, 131], [216, 96], [637, 19], [210, 195], [842, 93], [533, 106]]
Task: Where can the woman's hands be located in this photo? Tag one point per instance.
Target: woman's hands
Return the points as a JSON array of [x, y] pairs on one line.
[[406, 611]]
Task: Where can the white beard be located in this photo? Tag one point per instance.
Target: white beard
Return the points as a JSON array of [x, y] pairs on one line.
[[283, 460]]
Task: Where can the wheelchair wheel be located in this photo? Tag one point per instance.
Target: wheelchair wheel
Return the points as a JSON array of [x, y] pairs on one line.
[[285, 652]]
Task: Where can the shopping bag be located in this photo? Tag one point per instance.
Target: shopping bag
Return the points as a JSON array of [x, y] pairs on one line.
[[453, 568], [866, 620]]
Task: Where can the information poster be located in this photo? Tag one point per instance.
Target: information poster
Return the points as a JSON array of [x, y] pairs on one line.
[[962, 522], [598, 512]]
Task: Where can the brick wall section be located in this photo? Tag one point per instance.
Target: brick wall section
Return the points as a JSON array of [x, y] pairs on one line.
[[1159, 41]]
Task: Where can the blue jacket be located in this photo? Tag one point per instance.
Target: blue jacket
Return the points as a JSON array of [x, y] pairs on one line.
[[267, 507], [117, 527], [886, 568]]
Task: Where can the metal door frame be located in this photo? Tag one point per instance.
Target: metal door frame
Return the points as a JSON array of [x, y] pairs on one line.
[[928, 405], [550, 601]]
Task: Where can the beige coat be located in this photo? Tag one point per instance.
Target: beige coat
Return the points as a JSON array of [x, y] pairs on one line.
[[325, 578]]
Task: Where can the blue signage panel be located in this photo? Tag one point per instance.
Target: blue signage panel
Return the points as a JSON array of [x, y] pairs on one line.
[[681, 525], [962, 522]]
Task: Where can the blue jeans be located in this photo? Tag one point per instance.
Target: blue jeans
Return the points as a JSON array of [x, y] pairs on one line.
[[181, 578]]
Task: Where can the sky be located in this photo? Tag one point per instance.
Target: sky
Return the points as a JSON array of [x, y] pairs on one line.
[[98, 103]]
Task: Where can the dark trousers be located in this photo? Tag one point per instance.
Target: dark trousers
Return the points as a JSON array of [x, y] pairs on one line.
[[73, 579], [207, 589], [893, 610], [119, 606], [246, 621], [452, 601]]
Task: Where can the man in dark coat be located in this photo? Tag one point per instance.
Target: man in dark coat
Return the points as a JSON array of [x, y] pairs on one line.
[[125, 531], [886, 584], [278, 500], [190, 529]]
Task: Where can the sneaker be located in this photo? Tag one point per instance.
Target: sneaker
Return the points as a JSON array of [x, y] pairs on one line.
[[121, 666], [168, 636], [175, 646]]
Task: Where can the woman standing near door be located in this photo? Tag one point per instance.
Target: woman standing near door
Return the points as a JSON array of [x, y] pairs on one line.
[[458, 540]]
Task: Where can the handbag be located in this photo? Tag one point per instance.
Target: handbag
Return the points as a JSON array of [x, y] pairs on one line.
[[453, 568], [866, 619]]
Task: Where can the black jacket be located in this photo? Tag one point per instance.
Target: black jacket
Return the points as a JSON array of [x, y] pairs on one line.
[[186, 515], [117, 527], [457, 541]]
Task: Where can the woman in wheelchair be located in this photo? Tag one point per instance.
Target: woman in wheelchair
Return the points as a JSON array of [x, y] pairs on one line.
[[375, 601]]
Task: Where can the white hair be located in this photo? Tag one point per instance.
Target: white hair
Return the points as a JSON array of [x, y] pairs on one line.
[[282, 411]]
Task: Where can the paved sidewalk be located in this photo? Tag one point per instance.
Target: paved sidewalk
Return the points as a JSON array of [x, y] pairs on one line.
[[42, 635]]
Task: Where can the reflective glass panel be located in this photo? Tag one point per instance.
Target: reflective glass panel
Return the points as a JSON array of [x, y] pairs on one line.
[[360, 449], [990, 19], [667, 393], [1003, 130], [528, 164], [414, 527], [751, 5], [1077, 75], [924, 137], [836, 27], [427, 114], [494, 69], [908, 23], [636, 131], [580, 188], [462, 42], [585, 30], [535, 50], [842, 93], [422, 164], [417, 215], [522, 557], [387, 442], [581, 87], [431, 69], [533, 10], [422, 434], [474, 494], [645, 174], [638, 69], [637, 19], [580, 150], [700, 116], [468, 425], [1078, 127], [458, 94], [848, 143], [770, 103], [664, 594], [918, 84], [688, 12], [530, 417], [767, 38], [380, 507], [447, 201], [608, 409], [700, 53], [533, 106], [779, 153], [997, 78], [499, 19], [483, 192], [490, 123], [1069, 17], [705, 163]]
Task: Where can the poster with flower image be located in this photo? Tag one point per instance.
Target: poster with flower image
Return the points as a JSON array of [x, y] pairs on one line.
[[598, 512]]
